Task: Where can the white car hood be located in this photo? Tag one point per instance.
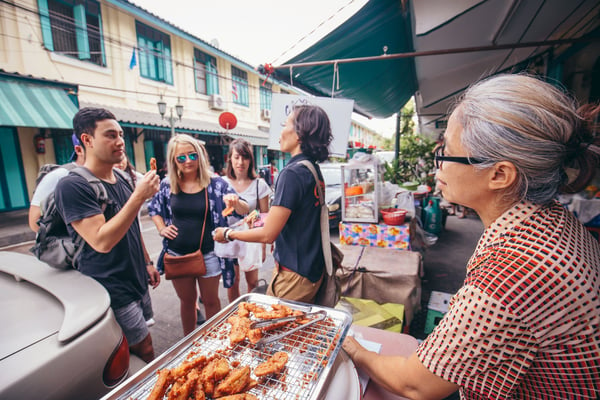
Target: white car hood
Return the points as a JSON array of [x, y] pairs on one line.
[[38, 301]]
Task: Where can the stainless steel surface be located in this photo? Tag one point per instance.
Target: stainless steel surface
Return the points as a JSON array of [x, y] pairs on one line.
[[319, 316], [311, 351]]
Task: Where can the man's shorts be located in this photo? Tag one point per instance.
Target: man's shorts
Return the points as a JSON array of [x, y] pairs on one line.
[[287, 284], [132, 319]]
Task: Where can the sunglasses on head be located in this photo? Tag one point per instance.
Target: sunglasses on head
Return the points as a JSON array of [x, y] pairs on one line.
[[181, 159]]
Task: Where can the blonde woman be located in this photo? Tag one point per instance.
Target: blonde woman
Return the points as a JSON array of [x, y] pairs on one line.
[[178, 210]]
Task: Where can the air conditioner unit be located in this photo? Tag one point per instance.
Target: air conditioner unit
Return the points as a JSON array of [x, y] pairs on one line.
[[216, 102], [265, 114]]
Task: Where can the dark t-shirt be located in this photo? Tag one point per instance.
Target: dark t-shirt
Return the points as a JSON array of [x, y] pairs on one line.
[[298, 246], [188, 214], [122, 271]]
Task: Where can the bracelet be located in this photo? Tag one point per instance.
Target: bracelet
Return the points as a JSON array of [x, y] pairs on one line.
[[150, 262], [226, 234]]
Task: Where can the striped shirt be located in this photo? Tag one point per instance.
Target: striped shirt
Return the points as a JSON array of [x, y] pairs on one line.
[[526, 323]]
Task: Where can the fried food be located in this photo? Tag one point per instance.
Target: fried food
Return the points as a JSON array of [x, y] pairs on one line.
[[245, 308], [185, 386], [214, 371], [273, 365], [234, 383], [163, 382], [240, 396], [227, 211], [254, 335], [279, 311], [239, 328], [199, 391], [187, 366], [153, 165]]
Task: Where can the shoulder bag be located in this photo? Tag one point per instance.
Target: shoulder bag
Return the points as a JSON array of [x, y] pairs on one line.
[[187, 265], [330, 290]]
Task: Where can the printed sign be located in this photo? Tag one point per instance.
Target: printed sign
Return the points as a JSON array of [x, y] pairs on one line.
[[339, 112]]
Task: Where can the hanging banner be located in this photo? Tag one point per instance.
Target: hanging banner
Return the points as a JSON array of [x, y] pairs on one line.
[[339, 112]]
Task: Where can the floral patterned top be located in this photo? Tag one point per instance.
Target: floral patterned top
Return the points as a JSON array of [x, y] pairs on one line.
[[160, 205]]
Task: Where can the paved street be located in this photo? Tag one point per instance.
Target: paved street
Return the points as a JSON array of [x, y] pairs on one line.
[[167, 331]]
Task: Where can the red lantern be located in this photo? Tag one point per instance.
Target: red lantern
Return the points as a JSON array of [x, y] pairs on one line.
[[40, 144], [227, 120]]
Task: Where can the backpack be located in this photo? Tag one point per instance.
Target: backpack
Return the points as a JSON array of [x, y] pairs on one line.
[[47, 168], [53, 244]]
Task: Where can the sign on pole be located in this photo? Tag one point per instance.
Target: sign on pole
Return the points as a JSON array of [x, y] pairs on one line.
[[339, 112]]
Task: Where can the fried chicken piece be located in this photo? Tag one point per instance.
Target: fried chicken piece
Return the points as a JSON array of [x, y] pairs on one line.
[[278, 311], [185, 367], [199, 391], [254, 335], [163, 382], [234, 383], [185, 386], [214, 371], [153, 164], [240, 396], [239, 328], [273, 365], [227, 211], [245, 308]]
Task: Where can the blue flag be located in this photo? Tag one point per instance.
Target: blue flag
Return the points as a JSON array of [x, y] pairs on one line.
[[133, 61]]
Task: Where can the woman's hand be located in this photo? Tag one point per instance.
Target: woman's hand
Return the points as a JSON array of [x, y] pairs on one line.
[[352, 347], [169, 232], [231, 200], [219, 235]]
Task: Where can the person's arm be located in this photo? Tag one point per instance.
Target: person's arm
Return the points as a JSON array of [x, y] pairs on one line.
[[103, 235], [404, 376], [274, 223], [34, 214], [153, 274]]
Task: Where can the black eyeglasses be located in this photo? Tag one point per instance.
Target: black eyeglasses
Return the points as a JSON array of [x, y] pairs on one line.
[[181, 159], [440, 158]]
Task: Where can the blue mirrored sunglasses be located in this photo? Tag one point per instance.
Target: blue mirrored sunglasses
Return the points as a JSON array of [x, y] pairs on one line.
[[181, 159]]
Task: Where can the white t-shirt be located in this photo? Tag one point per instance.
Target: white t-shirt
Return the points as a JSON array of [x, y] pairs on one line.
[[250, 193], [47, 185]]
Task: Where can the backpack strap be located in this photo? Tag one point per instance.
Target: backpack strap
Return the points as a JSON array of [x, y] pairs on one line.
[[325, 241]]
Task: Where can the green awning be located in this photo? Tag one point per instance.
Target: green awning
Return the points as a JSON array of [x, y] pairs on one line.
[[34, 105], [379, 87]]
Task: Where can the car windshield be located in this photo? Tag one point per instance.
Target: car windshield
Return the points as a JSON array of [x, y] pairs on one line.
[[332, 176]]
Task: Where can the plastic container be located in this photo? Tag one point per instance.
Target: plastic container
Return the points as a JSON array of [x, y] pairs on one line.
[[393, 216]]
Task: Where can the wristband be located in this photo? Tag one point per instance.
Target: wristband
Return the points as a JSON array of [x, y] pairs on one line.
[[226, 234], [150, 262]]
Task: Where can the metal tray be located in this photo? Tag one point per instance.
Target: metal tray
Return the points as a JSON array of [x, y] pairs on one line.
[[312, 352]]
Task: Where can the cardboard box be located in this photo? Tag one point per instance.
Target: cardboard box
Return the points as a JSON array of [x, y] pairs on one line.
[[388, 316], [375, 235], [436, 309]]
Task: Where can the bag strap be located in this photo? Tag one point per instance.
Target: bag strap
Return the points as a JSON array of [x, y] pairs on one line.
[[204, 221], [325, 240]]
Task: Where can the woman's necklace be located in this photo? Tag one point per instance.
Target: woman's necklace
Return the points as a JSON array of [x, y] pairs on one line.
[[240, 185]]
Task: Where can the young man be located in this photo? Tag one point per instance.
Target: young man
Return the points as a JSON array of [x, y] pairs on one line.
[[113, 253], [49, 182]]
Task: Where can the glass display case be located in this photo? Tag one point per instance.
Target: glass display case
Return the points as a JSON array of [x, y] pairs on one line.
[[361, 182]]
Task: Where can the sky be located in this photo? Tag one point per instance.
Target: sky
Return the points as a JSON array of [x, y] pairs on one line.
[[261, 31]]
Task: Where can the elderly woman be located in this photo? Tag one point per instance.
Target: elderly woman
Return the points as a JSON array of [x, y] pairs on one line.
[[526, 323], [293, 221]]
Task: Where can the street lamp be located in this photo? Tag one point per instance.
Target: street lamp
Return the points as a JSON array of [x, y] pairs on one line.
[[162, 109]]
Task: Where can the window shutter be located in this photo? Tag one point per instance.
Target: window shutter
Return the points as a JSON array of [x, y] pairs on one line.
[[45, 24], [83, 44], [168, 65]]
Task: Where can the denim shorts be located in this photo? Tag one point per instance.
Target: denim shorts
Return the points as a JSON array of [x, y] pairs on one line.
[[132, 319], [213, 265]]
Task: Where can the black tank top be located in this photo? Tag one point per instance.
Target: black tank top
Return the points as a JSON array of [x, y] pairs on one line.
[[188, 214]]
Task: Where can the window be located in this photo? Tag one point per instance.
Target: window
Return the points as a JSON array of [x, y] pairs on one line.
[[154, 49], [73, 28], [205, 73], [239, 86], [266, 95]]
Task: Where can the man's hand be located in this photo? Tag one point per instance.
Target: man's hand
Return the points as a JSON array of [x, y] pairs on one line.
[[148, 185], [154, 276]]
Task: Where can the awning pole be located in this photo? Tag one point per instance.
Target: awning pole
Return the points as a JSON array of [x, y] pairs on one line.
[[440, 52]]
